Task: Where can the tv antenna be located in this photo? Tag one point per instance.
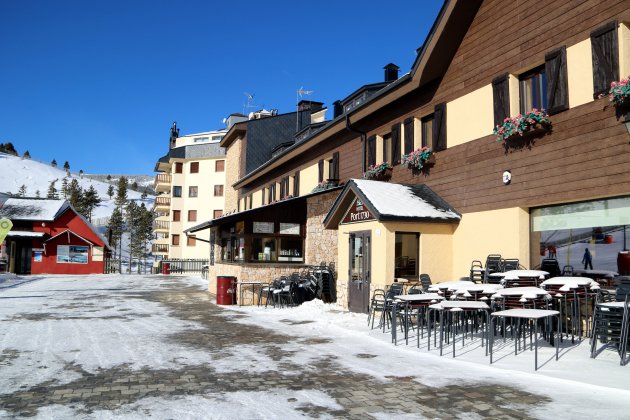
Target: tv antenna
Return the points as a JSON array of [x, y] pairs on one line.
[[299, 94], [249, 103]]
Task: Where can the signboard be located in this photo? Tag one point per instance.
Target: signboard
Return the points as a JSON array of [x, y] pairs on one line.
[[358, 212], [72, 254], [263, 227], [5, 227], [37, 256], [289, 228]]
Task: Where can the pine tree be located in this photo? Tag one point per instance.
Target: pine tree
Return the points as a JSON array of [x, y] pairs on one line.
[[109, 177], [121, 192], [26, 155], [38, 194], [116, 226], [52, 190], [134, 186], [145, 193], [53, 163], [22, 191], [65, 188], [75, 196], [80, 173], [8, 149], [110, 191], [66, 166], [90, 201]]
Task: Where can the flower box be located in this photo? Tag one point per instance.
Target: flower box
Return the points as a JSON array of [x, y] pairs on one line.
[[419, 159], [379, 172], [619, 95], [518, 131], [326, 185]]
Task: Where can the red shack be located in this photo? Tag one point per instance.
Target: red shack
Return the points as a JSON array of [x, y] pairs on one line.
[[50, 237]]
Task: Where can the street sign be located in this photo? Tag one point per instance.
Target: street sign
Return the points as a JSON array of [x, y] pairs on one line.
[[5, 227]]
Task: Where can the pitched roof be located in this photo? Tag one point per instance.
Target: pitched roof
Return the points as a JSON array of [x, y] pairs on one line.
[[393, 202], [33, 209]]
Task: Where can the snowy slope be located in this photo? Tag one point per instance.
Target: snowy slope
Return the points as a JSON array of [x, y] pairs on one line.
[[36, 176]]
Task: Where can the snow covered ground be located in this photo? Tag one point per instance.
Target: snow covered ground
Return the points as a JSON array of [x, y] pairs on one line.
[[98, 322], [37, 176]]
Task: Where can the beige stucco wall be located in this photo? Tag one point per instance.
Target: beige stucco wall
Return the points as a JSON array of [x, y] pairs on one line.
[[308, 179], [435, 248], [624, 49], [417, 134], [233, 162], [580, 73], [479, 234], [379, 149], [514, 95], [470, 117]]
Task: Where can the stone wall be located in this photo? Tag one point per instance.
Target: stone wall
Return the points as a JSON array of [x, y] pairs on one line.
[[321, 244], [233, 166]]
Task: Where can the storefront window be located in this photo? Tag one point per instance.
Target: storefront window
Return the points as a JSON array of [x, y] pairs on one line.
[[263, 242], [566, 231], [406, 257]]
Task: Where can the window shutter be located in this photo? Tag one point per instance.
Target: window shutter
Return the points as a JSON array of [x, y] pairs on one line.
[[604, 49], [282, 188], [395, 144], [296, 184], [557, 86], [439, 127], [371, 152], [409, 135], [501, 99], [335, 164], [320, 168]]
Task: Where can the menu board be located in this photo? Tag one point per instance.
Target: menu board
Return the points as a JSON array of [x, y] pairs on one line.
[[289, 228], [263, 227]]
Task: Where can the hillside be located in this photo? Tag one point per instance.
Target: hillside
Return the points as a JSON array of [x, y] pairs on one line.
[[143, 181], [36, 176]]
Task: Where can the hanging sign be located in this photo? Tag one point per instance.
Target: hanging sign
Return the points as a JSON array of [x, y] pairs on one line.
[[263, 227], [5, 227], [358, 212]]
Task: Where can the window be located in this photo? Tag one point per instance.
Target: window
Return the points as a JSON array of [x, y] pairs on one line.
[[192, 215], [179, 167], [217, 213], [296, 184], [177, 214], [395, 144], [177, 191], [604, 50], [191, 240], [387, 148], [200, 139], [194, 167], [409, 135], [217, 137], [218, 190], [193, 191], [219, 166], [72, 254], [533, 90], [333, 167], [427, 130], [406, 248], [175, 240]]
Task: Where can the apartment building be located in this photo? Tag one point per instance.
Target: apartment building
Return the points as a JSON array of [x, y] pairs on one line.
[[564, 181], [191, 185]]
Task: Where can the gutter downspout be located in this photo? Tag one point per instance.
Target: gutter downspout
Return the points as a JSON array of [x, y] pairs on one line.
[[363, 135]]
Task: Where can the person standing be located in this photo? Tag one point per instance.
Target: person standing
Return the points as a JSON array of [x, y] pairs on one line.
[[587, 260]]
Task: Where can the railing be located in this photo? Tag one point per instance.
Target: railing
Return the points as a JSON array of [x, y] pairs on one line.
[[162, 201], [162, 179], [160, 248], [161, 224], [111, 266], [177, 266], [100, 221]]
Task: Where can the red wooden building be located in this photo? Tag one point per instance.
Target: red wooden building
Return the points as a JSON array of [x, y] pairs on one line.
[[50, 237]]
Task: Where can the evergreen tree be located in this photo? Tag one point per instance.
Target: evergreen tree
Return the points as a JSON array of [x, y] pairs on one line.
[[90, 201], [8, 149], [38, 194], [52, 190], [66, 166], [121, 192], [109, 177], [116, 226], [53, 163], [145, 193], [134, 186], [26, 155], [65, 188], [110, 191], [80, 173], [22, 191], [75, 196]]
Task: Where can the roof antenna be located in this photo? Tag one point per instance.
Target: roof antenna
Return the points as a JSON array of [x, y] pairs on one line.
[[250, 102], [299, 93]]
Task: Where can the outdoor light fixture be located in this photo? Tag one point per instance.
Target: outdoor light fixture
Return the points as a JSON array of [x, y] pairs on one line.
[[507, 177]]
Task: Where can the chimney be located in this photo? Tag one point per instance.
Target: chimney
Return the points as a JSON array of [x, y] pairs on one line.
[[391, 72], [313, 106], [174, 135], [337, 109]]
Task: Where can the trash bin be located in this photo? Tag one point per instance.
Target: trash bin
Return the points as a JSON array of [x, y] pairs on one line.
[[226, 290], [166, 268]]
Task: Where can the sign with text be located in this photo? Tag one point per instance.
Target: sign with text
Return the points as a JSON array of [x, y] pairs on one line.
[[263, 227], [289, 228], [5, 227], [358, 212]]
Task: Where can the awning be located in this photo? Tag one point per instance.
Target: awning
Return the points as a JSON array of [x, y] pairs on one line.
[[25, 234], [234, 217], [392, 202]]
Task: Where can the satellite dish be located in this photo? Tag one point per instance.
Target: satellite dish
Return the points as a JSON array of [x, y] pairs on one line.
[[224, 120]]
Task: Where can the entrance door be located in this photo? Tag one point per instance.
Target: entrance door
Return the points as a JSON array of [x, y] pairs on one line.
[[359, 272]]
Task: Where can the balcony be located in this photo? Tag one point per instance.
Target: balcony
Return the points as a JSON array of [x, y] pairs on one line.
[[160, 249], [161, 225], [162, 203], [162, 183]]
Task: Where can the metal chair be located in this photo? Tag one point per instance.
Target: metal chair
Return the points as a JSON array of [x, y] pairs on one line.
[[425, 282], [476, 272]]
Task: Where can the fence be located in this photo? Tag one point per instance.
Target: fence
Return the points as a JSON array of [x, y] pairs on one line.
[[111, 266], [182, 266]]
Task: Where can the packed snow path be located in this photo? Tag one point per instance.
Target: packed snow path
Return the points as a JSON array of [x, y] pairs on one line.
[[140, 346]]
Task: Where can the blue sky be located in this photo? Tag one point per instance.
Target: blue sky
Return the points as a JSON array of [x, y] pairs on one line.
[[99, 83]]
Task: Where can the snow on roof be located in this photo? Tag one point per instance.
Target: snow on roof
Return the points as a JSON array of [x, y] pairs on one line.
[[33, 209], [24, 234], [406, 201]]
